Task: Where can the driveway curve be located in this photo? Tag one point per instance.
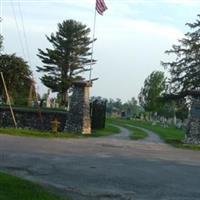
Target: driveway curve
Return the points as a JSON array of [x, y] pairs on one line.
[[152, 137]]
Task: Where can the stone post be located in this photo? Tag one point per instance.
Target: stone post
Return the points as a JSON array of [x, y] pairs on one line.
[[193, 128], [79, 120]]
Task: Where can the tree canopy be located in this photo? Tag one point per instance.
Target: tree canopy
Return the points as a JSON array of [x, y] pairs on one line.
[[185, 69], [154, 86], [68, 57], [17, 76], [130, 107]]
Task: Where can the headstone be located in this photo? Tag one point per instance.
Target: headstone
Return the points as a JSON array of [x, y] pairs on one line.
[[195, 109], [123, 114], [48, 99], [79, 120], [193, 127], [1, 100], [179, 124]]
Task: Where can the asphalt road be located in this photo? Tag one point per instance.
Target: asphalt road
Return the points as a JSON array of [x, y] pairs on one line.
[[104, 168]]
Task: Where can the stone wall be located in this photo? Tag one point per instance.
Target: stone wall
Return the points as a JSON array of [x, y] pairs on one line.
[[79, 120], [193, 129], [30, 119]]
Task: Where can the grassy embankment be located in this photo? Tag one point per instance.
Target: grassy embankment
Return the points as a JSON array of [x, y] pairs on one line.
[[109, 130], [13, 188], [170, 135]]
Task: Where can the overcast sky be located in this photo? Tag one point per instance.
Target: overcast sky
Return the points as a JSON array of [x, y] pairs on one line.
[[131, 36]]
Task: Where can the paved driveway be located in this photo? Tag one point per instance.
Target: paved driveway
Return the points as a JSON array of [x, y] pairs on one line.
[[104, 168]]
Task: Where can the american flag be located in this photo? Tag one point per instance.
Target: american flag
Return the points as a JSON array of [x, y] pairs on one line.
[[100, 6]]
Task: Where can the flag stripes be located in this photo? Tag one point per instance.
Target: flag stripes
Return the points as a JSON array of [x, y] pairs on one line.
[[100, 6]]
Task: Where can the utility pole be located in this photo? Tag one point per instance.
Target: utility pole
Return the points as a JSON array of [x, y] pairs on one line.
[[8, 100]]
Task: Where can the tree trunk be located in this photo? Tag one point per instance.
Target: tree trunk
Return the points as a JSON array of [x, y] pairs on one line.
[[64, 99]]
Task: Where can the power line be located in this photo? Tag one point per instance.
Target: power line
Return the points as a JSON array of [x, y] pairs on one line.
[[24, 33], [26, 49], [18, 30], [1, 15], [26, 40]]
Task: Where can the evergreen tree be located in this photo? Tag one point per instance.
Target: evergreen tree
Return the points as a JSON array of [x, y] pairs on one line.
[[185, 69], [67, 59]]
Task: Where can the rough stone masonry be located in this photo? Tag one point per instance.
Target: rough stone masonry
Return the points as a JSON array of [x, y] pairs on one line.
[[79, 120], [193, 130]]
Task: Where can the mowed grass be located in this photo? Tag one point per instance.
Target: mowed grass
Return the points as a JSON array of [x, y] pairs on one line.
[[109, 130], [170, 135], [137, 134], [13, 188], [35, 133]]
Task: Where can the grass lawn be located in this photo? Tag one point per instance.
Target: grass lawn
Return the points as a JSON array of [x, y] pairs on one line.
[[35, 133], [170, 135], [136, 134], [109, 130], [13, 188]]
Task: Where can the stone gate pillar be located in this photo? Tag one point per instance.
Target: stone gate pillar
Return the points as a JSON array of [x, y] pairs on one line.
[[79, 120], [193, 129]]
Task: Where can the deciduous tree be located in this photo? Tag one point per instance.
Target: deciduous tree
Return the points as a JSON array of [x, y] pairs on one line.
[[17, 76], [154, 86]]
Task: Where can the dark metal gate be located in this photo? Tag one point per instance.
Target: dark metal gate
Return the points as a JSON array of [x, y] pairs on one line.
[[98, 113]]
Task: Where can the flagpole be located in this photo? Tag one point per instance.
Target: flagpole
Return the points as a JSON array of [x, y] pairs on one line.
[[92, 48]]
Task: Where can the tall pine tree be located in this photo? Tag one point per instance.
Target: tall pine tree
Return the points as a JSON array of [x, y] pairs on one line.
[[185, 69], [69, 57]]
